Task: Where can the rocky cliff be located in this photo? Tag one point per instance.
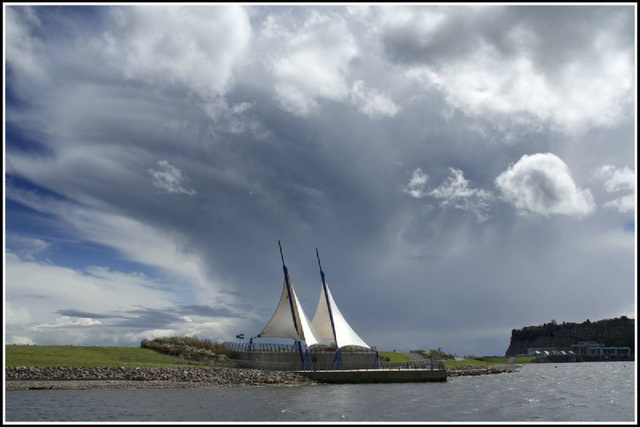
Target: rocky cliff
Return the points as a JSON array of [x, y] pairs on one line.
[[618, 332]]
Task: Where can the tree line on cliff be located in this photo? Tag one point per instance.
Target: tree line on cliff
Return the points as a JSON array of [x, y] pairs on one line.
[[617, 332]]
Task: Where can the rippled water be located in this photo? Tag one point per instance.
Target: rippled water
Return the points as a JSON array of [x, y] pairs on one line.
[[602, 391]]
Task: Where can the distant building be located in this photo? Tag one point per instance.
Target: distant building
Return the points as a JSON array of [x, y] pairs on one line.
[[592, 348], [588, 348], [616, 351], [538, 351]]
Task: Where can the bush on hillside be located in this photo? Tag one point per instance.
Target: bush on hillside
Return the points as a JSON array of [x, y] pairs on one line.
[[187, 348], [434, 354]]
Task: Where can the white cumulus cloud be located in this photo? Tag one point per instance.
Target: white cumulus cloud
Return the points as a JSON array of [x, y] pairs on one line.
[[542, 184], [506, 78], [66, 321], [312, 63], [193, 46], [20, 340]]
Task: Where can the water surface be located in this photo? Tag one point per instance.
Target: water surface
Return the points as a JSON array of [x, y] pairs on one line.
[[600, 391]]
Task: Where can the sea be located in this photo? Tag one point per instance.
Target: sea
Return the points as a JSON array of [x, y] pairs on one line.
[[563, 392]]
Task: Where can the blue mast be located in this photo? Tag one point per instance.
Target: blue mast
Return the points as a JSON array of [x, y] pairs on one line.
[[288, 282], [338, 357], [293, 312]]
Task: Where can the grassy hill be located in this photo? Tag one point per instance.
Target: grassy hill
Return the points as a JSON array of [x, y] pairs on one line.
[[94, 356], [68, 355], [486, 361]]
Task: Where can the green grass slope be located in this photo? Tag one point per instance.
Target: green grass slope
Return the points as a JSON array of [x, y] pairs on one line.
[[67, 355], [394, 356]]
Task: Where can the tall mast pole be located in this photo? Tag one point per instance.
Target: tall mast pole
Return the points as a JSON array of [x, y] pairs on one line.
[[289, 293], [326, 296], [293, 311]]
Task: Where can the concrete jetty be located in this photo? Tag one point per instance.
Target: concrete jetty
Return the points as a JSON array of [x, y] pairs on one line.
[[352, 376]]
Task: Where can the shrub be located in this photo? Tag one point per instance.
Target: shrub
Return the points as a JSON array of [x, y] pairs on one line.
[[187, 347], [434, 354]]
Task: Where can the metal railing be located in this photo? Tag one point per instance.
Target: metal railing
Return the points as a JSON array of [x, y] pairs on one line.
[[274, 348], [309, 365], [291, 348], [431, 364]]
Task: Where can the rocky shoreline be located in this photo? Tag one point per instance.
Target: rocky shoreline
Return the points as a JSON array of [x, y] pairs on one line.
[[67, 377]]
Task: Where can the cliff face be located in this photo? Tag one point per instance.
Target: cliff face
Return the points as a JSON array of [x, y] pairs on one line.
[[619, 332]]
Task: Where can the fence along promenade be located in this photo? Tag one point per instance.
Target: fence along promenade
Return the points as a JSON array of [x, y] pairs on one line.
[[295, 365], [290, 348]]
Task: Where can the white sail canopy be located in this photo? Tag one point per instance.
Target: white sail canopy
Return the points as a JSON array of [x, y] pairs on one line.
[[283, 322], [327, 309]]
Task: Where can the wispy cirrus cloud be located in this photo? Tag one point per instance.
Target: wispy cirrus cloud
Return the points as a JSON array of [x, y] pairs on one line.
[[170, 179], [68, 322], [139, 242], [96, 300], [25, 52], [454, 192], [417, 186], [372, 102], [618, 180], [28, 247]]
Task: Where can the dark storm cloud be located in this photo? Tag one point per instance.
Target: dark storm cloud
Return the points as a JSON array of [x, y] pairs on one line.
[[79, 313], [558, 34], [149, 318], [207, 311], [33, 297]]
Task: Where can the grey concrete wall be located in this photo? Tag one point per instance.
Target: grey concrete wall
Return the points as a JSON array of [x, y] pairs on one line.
[[377, 376], [291, 360]]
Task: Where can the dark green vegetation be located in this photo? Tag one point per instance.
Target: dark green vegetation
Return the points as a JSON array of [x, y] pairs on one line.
[[434, 354], [466, 362], [69, 355], [449, 359], [618, 332], [487, 361], [189, 348]]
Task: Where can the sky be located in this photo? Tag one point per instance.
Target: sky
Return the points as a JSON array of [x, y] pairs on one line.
[[462, 170]]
